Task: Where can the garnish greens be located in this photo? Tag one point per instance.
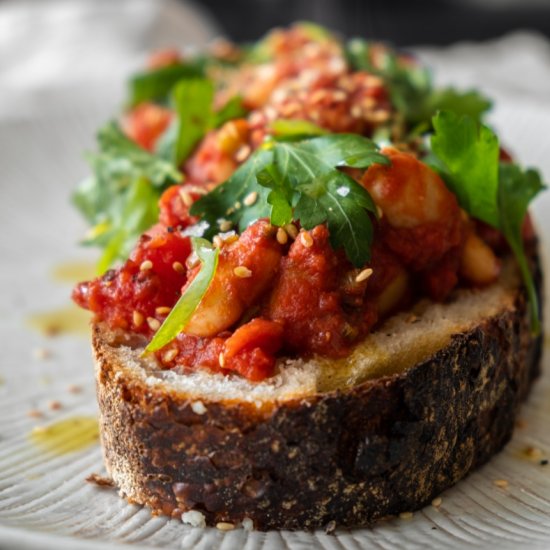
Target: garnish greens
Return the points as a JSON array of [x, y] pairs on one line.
[[120, 199], [411, 87], [467, 156], [301, 180], [188, 302]]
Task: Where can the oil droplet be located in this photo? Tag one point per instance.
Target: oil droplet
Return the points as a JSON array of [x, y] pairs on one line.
[[69, 319], [74, 271], [66, 436]]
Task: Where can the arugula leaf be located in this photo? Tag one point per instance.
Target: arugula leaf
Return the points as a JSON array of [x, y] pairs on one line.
[[300, 180], [411, 88], [467, 156], [188, 302], [469, 153], [192, 100], [156, 84], [120, 199], [517, 188]]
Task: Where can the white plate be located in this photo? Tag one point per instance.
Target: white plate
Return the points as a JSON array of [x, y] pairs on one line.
[[44, 500]]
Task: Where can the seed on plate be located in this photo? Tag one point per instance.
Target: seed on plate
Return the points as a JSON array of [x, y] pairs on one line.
[[364, 275], [502, 483], [225, 526], [242, 272], [306, 239], [146, 265], [154, 324], [137, 318], [74, 388], [54, 405], [251, 198], [405, 515], [282, 236], [178, 268], [436, 502]]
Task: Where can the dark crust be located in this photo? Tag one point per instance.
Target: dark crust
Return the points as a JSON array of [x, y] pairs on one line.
[[386, 446]]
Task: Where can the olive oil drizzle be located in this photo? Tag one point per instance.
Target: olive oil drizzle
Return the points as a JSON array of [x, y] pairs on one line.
[[66, 436]]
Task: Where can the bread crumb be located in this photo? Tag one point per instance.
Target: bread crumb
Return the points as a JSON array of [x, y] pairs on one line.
[[198, 407], [225, 526], [100, 481], [436, 502], [54, 405], [248, 524], [533, 453], [330, 527], [194, 518], [502, 483], [405, 515]]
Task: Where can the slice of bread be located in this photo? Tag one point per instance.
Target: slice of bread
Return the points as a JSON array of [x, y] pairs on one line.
[[432, 394]]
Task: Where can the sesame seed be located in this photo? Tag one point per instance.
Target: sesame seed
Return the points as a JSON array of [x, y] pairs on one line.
[[243, 152], [162, 310], [54, 405], [217, 241], [225, 225], [169, 355], [185, 197], [225, 526], [74, 388], [242, 272], [192, 260], [178, 268], [364, 275], [250, 199], [154, 324], [282, 236], [291, 230], [237, 205], [221, 359], [137, 318], [405, 515], [533, 453], [306, 239], [146, 265], [198, 407], [502, 483], [35, 413], [436, 502]]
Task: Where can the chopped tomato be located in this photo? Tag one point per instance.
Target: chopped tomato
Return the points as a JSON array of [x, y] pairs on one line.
[[146, 123]]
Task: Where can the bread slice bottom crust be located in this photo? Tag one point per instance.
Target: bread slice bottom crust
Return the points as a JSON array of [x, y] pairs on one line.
[[350, 451]]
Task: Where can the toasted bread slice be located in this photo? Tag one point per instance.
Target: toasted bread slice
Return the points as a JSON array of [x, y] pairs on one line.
[[432, 394]]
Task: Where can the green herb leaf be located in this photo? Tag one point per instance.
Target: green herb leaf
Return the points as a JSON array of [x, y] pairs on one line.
[[469, 153], [467, 156], [305, 175], [188, 302], [234, 108], [192, 99], [516, 190], [156, 84], [226, 201], [120, 199]]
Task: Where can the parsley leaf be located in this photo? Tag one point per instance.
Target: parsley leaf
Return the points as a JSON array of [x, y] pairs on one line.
[[188, 302], [410, 86], [517, 188], [469, 153], [234, 108], [120, 199], [467, 156], [156, 84], [300, 180]]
